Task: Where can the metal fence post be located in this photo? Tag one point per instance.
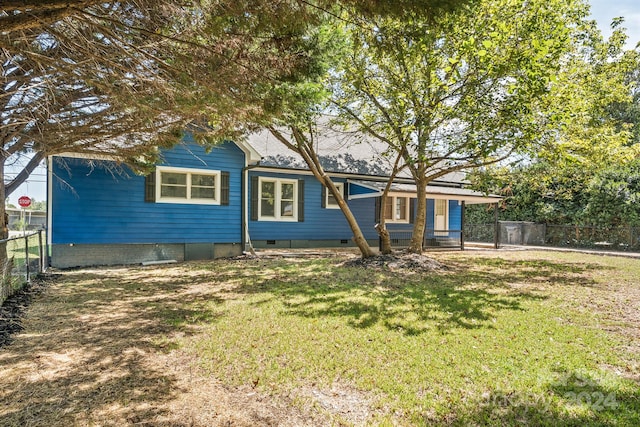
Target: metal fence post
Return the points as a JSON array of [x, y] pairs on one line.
[[26, 259], [496, 230], [41, 267]]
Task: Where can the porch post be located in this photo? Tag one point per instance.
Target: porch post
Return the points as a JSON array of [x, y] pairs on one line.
[[462, 227], [496, 227]]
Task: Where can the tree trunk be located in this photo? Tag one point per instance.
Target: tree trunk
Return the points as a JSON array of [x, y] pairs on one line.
[[34, 162], [417, 237], [3, 211], [381, 227], [5, 263], [385, 239], [358, 237], [305, 148]]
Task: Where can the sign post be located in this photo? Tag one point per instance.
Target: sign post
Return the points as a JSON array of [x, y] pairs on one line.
[[24, 202]]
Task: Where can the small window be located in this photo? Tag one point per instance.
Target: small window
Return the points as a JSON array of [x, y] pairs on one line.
[[278, 200], [331, 202], [401, 209], [179, 185], [396, 209]]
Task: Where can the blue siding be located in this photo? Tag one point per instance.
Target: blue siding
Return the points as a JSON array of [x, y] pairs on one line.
[[455, 215], [319, 223], [430, 213], [356, 190], [89, 205]]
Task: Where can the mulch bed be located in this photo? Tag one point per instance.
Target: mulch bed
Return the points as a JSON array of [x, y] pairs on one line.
[[14, 308], [398, 260]]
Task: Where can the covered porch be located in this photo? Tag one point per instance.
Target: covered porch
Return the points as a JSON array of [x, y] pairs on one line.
[[445, 211]]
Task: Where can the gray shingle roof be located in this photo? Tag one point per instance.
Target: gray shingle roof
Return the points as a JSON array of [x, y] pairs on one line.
[[340, 152]]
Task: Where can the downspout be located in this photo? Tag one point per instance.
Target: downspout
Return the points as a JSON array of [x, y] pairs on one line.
[[246, 239]]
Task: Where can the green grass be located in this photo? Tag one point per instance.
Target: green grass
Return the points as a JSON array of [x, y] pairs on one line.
[[510, 340]]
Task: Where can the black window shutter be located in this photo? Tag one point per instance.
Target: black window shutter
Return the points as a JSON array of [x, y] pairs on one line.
[[412, 210], [345, 191], [377, 214], [300, 200], [254, 198], [150, 187], [224, 188], [324, 197]]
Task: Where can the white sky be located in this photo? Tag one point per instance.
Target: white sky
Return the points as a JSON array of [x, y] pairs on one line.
[[603, 11]]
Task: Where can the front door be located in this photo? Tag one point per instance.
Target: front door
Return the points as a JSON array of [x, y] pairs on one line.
[[440, 217]]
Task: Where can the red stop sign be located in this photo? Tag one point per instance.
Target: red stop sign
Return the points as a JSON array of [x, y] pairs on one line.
[[24, 201]]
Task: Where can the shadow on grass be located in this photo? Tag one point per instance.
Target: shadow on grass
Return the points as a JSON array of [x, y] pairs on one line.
[[572, 399], [83, 357], [467, 296]]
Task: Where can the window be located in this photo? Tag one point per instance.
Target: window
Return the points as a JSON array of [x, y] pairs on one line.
[[278, 199], [179, 185], [401, 209], [396, 209], [330, 201]]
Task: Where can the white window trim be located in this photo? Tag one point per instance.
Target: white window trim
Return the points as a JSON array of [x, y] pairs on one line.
[[278, 198], [188, 199], [340, 187], [393, 198]]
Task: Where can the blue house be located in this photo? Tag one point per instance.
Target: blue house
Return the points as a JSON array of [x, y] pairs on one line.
[[201, 204]]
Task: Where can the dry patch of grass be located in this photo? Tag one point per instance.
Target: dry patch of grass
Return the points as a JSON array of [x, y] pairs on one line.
[[98, 349], [497, 338]]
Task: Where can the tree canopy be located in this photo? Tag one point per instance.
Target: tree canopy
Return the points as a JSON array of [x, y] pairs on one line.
[[565, 181], [457, 91]]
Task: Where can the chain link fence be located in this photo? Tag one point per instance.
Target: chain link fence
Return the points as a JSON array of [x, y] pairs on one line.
[[20, 258], [533, 234]]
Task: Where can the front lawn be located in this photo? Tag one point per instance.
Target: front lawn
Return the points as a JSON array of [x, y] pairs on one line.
[[498, 338]]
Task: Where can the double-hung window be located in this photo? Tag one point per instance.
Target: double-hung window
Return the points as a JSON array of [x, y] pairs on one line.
[[181, 185], [330, 201], [278, 199], [397, 209]]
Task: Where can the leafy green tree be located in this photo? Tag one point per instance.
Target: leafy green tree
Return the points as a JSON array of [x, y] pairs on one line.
[[299, 110], [588, 97], [613, 197], [538, 192], [456, 91], [593, 79]]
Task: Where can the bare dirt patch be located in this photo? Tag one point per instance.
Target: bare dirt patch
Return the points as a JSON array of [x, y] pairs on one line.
[[14, 308], [346, 402], [96, 349]]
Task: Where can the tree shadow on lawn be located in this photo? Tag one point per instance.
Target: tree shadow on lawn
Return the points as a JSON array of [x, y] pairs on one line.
[[570, 399], [82, 358], [467, 296]]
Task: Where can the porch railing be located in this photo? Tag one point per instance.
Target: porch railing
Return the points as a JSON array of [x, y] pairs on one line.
[[433, 239], [21, 258]]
